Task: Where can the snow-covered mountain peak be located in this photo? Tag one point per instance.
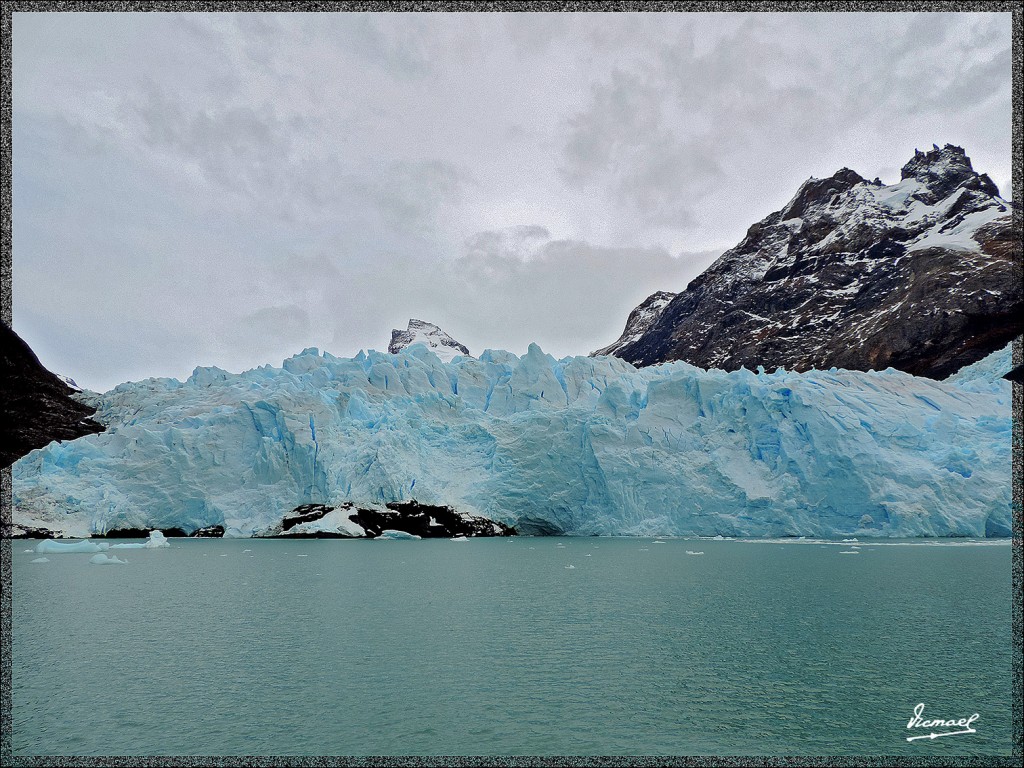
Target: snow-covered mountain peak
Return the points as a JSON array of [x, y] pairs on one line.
[[421, 332], [817, 191], [944, 170], [857, 274]]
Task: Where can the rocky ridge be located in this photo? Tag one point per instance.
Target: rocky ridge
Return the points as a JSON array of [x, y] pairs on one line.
[[923, 276]]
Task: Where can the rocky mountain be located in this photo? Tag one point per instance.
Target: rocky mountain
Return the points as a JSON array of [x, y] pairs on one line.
[[36, 406], [923, 276], [639, 321], [420, 332]]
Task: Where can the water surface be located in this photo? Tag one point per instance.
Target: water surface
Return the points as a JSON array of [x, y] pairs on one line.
[[495, 646]]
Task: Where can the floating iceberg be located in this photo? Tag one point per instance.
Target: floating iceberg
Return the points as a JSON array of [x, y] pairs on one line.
[[577, 446], [156, 540], [51, 547], [102, 559], [391, 534]]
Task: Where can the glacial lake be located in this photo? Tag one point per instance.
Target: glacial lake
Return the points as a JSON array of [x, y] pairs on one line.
[[497, 646]]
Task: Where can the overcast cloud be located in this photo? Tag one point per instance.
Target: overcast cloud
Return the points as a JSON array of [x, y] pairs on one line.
[[218, 189]]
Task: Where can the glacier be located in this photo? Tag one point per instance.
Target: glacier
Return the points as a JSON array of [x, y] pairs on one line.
[[577, 446]]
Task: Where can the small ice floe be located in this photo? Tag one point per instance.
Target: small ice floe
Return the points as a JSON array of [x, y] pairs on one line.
[[40, 559], [846, 541], [246, 550], [589, 554], [457, 538], [29, 551], [102, 559], [570, 567], [691, 552], [849, 552], [302, 555], [644, 549], [659, 541]]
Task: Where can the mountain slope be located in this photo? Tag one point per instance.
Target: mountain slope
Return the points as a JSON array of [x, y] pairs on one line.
[[640, 321], [918, 276], [35, 405], [420, 332]]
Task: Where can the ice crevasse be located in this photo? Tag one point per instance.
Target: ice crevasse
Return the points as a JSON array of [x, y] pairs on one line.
[[577, 446]]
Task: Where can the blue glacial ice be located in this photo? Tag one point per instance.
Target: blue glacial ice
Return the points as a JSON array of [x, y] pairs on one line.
[[578, 446]]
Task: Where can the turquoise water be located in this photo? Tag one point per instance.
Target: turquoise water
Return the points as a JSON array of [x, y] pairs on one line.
[[494, 646]]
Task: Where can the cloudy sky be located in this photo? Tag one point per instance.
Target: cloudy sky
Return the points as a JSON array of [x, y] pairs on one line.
[[220, 189]]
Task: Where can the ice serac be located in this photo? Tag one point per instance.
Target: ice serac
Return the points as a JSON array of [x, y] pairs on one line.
[[579, 446], [428, 334], [922, 275]]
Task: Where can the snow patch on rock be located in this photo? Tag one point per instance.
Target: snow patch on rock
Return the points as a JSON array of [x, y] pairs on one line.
[[431, 336]]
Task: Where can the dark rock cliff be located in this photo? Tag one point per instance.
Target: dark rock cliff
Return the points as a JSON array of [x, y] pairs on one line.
[[36, 406]]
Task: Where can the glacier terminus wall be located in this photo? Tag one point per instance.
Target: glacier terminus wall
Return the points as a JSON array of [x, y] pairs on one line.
[[576, 446]]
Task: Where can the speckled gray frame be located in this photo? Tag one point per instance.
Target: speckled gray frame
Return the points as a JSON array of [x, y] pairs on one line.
[[6, 724]]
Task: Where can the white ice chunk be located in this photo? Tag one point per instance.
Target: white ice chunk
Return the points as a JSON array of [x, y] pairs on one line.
[[102, 559], [156, 540], [394, 535]]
